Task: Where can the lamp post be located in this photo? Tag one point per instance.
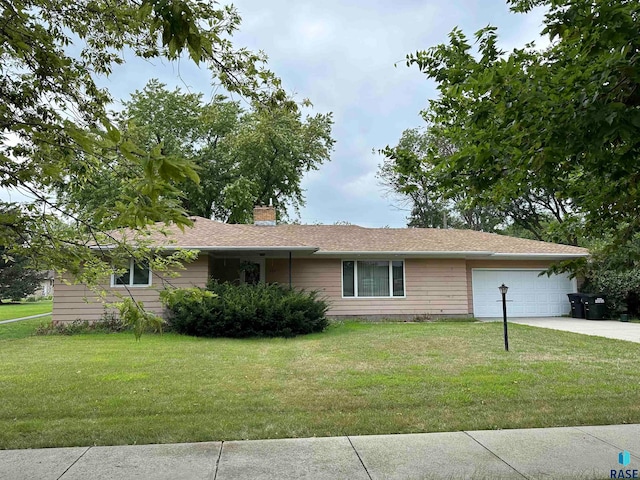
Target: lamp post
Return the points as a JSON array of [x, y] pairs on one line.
[[503, 290]]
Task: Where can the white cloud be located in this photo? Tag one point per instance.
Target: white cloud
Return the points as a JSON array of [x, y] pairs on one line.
[[363, 186]]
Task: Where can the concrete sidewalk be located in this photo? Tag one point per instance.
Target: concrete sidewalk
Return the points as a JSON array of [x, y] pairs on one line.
[[25, 318], [549, 453]]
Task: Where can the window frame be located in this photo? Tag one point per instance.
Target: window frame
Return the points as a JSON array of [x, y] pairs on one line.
[[130, 284], [355, 277]]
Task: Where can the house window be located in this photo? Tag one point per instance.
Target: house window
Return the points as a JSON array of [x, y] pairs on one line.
[[372, 278], [137, 275]]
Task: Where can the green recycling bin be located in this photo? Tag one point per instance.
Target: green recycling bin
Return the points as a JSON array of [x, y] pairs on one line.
[[595, 306]]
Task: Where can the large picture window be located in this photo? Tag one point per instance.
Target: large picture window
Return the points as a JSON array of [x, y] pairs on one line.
[[137, 275], [373, 278]]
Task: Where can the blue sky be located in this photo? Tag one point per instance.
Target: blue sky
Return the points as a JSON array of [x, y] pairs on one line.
[[347, 58]]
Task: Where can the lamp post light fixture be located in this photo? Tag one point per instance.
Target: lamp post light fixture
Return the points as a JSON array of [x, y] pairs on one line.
[[503, 290]]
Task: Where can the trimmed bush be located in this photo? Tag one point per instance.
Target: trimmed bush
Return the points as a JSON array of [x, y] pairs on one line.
[[227, 310]]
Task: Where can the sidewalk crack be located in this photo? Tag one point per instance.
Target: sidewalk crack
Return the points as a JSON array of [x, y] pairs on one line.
[[497, 456], [603, 440], [359, 458], [74, 462], [215, 471]]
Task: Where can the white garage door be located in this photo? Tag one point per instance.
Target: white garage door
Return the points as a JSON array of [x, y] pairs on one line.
[[529, 295]]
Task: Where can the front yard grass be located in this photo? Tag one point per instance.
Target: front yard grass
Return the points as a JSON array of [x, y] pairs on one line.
[[21, 329], [356, 379], [9, 311]]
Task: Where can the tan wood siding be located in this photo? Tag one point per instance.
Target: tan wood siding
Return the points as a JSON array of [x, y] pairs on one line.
[[433, 287], [77, 301], [471, 264]]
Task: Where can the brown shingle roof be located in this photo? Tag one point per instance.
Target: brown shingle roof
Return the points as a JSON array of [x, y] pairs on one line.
[[326, 239], [348, 238], [209, 234]]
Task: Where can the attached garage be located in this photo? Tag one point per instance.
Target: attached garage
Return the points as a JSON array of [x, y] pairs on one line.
[[530, 294]]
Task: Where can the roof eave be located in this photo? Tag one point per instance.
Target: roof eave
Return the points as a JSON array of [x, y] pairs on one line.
[[208, 248], [252, 248], [538, 256], [456, 254], [404, 253]]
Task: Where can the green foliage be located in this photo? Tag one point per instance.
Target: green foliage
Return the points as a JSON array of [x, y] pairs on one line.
[[404, 174], [242, 158], [620, 288], [17, 280], [174, 298], [228, 310], [268, 154], [56, 133], [616, 274], [408, 173], [134, 316], [455, 320], [59, 115], [553, 132]]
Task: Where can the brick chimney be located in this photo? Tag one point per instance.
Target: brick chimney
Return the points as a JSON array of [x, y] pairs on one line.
[[264, 215]]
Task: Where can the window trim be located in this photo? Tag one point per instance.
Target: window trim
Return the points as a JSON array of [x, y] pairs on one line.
[[131, 273], [355, 277]]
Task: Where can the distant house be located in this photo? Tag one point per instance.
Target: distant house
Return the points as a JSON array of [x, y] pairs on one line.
[[372, 272], [46, 284]]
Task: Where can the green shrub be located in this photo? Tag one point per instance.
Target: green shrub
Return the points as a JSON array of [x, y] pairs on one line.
[[227, 310], [621, 289]]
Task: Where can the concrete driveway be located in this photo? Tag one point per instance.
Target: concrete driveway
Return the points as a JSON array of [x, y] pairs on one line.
[[599, 328]]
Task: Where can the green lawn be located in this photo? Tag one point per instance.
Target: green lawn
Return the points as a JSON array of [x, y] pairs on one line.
[[21, 329], [25, 309], [354, 379]]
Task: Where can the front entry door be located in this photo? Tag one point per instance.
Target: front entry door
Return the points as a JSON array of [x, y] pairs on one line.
[[252, 270]]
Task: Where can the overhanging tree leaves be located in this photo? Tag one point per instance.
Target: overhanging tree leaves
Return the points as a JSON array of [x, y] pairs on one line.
[[55, 130], [561, 123], [178, 126], [52, 115]]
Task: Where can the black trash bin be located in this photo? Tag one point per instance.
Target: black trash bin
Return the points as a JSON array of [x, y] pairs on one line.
[[595, 306], [577, 307]]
